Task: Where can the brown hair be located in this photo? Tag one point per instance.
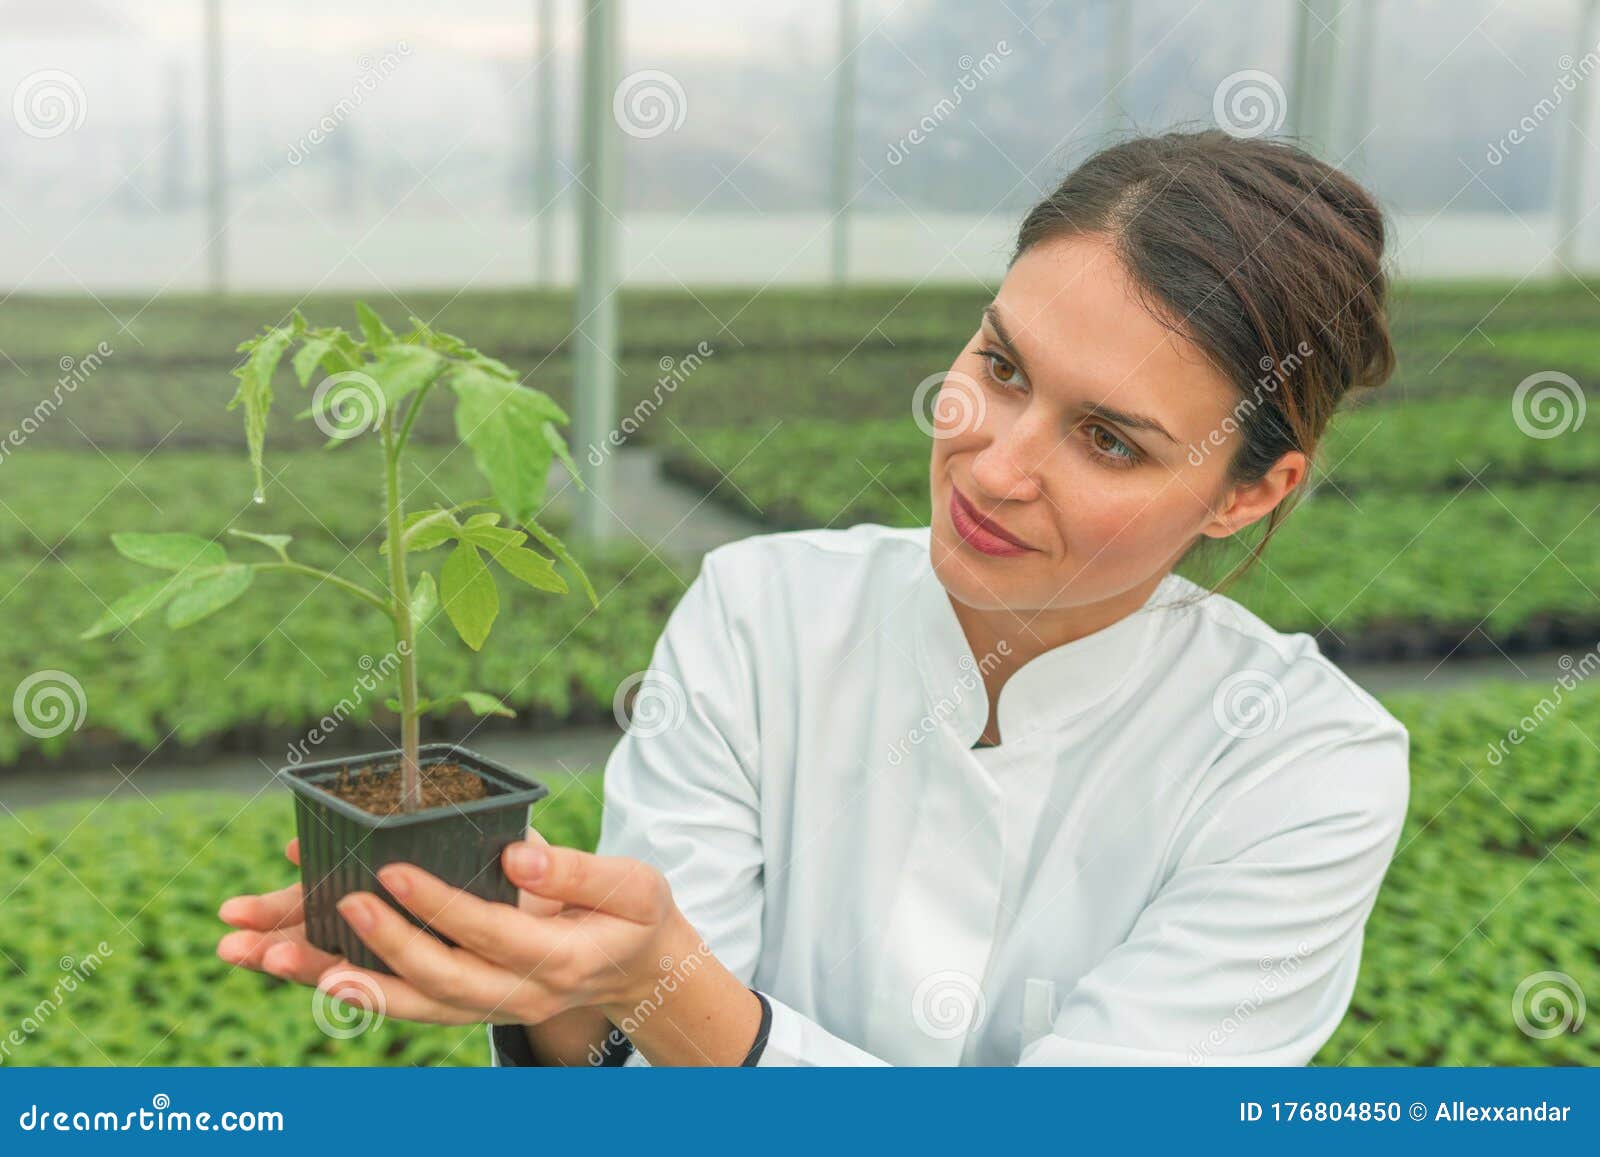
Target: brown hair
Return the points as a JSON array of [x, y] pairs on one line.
[[1266, 258]]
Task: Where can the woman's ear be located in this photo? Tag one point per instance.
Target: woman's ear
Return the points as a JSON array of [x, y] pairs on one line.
[[1254, 501]]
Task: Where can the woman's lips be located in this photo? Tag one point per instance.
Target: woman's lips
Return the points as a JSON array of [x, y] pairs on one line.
[[981, 533]]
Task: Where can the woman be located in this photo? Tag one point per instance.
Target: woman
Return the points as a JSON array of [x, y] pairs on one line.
[[1006, 789]]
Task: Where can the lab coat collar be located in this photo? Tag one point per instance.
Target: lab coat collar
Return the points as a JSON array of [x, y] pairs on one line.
[[1049, 691]]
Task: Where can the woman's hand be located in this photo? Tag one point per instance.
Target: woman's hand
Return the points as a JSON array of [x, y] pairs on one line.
[[588, 931]]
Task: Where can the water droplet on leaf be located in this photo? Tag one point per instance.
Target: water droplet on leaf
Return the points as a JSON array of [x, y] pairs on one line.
[[259, 498]]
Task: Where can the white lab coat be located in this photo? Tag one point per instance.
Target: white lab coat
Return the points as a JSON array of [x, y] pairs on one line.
[[1168, 860]]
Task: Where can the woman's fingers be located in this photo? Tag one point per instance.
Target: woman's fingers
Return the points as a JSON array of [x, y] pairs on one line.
[[280, 909], [513, 938], [436, 983], [616, 885], [245, 948], [533, 905], [392, 996], [527, 901], [453, 975], [282, 952], [287, 955], [296, 958]]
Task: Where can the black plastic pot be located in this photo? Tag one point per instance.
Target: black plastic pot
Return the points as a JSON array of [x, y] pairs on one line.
[[342, 846]]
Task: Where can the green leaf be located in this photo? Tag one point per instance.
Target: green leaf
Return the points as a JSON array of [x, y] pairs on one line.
[[483, 704], [556, 547], [330, 349], [559, 445], [276, 542], [479, 702], [426, 529], [446, 343], [531, 567], [402, 370], [468, 592], [503, 424], [208, 594], [135, 605], [350, 403], [424, 601], [255, 388], [170, 551], [482, 531], [309, 357], [492, 365], [379, 336]]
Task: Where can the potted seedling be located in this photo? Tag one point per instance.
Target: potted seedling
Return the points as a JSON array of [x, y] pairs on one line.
[[439, 806]]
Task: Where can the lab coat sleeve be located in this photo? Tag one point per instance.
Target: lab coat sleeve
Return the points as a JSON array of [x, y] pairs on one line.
[[1248, 954], [683, 794], [681, 789], [795, 1040]]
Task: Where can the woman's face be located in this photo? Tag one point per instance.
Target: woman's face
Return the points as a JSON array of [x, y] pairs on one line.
[[1080, 446]]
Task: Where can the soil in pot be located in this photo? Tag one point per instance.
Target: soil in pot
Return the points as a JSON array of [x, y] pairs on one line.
[[378, 789]]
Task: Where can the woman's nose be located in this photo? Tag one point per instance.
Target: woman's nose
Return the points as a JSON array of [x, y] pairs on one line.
[[1007, 469]]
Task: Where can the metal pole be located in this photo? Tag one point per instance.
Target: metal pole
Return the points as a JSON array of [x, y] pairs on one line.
[[595, 360], [1119, 61], [844, 137], [544, 164], [1315, 59], [1571, 153], [1356, 122], [216, 164]]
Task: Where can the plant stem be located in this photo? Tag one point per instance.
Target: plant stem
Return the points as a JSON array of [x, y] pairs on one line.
[[356, 589], [411, 419], [404, 632]]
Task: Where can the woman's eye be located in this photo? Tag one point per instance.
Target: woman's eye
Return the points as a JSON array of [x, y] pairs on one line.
[[1108, 445], [1001, 371]]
